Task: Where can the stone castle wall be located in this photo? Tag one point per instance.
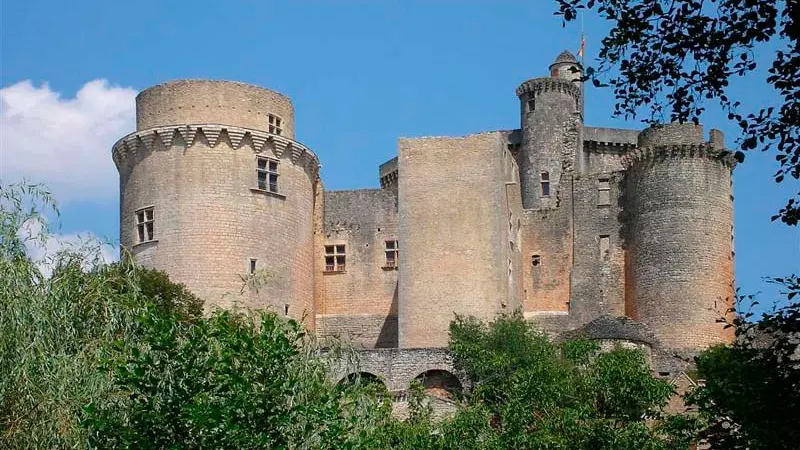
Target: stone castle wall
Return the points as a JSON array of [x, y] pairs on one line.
[[452, 229], [359, 304], [184, 102]]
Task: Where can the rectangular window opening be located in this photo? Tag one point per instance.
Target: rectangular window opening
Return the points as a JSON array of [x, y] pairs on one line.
[[545, 184], [275, 124], [285, 309], [531, 105], [392, 252], [605, 248], [335, 258], [145, 224], [253, 262], [267, 174], [603, 192], [536, 260]]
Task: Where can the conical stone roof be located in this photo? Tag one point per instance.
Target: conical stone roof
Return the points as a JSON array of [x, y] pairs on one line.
[[565, 57]]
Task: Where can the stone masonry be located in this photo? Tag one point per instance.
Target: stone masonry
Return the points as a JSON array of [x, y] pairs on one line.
[[623, 235]]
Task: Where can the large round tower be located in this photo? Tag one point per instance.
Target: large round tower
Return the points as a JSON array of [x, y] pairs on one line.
[[679, 213], [551, 121], [215, 191]]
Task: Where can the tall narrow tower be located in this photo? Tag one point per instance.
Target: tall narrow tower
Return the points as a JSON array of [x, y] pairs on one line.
[[550, 109], [215, 191], [679, 213]]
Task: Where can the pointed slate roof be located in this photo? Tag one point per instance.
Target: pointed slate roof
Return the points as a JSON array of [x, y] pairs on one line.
[[565, 57]]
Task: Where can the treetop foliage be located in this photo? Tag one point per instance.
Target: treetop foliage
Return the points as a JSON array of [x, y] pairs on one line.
[[671, 57]]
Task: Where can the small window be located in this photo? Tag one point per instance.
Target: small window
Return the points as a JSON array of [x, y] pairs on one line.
[[335, 258], [253, 262], [392, 251], [275, 125], [603, 192], [531, 105], [145, 219], [267, 173], [605, 248], [545, 184], [285, 309], [536, 260]]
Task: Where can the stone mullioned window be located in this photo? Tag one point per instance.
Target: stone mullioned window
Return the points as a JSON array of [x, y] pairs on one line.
[[275, 124], [392, 253], [145, 224], [267, 174], [335, 258]]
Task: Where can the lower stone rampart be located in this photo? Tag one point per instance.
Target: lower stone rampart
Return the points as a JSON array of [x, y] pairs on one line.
[[397, 367]]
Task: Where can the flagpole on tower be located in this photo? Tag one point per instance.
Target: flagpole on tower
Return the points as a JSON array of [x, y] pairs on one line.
[[581, 49], [582, 55]]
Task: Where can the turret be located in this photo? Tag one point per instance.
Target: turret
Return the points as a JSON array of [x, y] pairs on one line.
[[215, 191], [551, 122], [679, 212]]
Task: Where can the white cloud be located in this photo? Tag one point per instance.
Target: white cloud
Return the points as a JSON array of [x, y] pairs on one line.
[[43, 248], [64, 142]]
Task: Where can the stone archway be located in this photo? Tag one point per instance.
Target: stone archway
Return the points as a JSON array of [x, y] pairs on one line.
[[362, 378], [440, 383]]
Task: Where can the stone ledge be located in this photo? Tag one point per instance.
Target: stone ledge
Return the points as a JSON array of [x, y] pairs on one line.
[[269, 193]]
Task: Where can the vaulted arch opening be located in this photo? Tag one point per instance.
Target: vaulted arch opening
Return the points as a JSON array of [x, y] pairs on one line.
[[440, 383], [363, 379]]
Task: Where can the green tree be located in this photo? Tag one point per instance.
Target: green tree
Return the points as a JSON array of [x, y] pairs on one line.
[[231, 381], [671, 57], [51, 327], [750, 397], [531, 393]]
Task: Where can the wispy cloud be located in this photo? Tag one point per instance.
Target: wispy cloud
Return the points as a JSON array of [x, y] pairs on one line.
[[64, 142], [44, 248]]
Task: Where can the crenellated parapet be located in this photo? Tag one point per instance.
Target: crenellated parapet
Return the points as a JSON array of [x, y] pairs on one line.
[[137, 145], [657, 153], [536, 86], [617, 148]]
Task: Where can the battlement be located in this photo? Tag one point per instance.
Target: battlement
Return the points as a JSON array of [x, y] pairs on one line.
[[139, 143], [661, 152], [536, 86]]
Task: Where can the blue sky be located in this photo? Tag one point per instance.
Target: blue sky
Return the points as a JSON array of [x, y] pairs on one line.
[[360, 74]]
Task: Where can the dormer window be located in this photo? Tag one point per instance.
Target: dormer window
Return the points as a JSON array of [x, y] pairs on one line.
[[545, 184], [275, 124]]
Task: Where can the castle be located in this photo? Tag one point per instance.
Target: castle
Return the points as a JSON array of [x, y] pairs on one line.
[[571, 224]]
